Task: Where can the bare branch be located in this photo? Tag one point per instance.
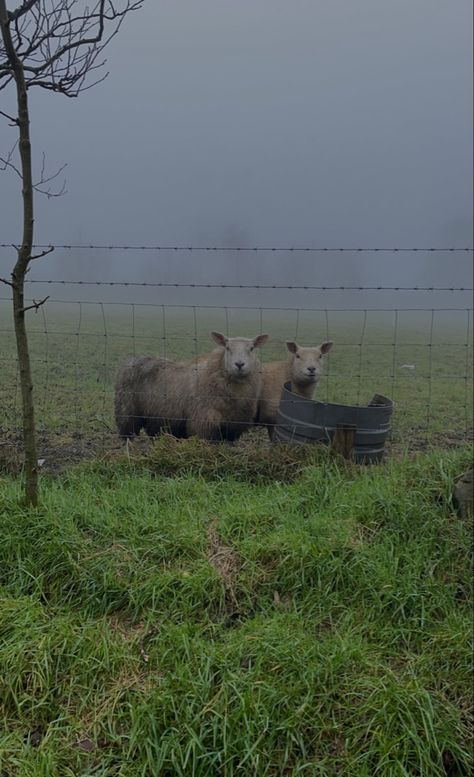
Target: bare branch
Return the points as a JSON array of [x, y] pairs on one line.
[[10, 118], [59, 42], [49, 193], [21, 10], [6, 81], [35, 306], [57, 45], [43, 253], [6, 162], [38, 186]]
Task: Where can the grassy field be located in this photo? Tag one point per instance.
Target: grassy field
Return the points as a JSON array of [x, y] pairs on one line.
[[194, 612], [76, 349]]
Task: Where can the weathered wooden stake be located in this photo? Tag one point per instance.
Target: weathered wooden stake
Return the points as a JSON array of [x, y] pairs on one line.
[[343, 440]]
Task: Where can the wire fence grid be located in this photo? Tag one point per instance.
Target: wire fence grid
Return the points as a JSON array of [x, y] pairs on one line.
[[421, 358]]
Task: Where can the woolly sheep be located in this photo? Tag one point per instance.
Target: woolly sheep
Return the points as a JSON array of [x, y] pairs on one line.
[[302, 370], [214, 397]]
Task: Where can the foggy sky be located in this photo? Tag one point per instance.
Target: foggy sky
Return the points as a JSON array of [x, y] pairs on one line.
[[335, 123]]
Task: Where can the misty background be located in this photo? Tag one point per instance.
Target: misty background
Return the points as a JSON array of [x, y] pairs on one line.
[[262, 122]]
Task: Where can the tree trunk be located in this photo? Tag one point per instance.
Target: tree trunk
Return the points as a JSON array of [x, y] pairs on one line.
[[26, 384], [21, 266]]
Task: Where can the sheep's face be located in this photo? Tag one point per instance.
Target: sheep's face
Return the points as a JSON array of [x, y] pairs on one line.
[[306, 363], [240, 357]]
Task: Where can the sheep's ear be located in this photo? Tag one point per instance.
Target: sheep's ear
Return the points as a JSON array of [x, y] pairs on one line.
[[326, 347], [219, 339], [292, 346], [259, 340]]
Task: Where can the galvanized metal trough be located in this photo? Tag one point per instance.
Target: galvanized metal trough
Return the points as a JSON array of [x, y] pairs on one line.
[[302, 420]]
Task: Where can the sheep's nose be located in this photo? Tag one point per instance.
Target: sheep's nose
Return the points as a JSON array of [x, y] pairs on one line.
[[239, 365], [311, 370]]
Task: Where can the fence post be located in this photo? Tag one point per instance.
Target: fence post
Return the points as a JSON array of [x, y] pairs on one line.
[[343, 440]]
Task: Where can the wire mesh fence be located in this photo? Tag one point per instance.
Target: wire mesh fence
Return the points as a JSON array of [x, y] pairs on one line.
[[421, 358], [418, 354]]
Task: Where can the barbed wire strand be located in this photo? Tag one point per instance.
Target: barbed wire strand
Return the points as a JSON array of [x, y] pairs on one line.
[[260, 286], [248, 249]]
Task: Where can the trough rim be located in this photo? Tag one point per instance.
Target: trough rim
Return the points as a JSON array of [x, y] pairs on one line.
[[390, 403]]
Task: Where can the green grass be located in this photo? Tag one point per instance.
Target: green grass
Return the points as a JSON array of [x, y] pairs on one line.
[[76, 349], [211, 611], [183, 614]]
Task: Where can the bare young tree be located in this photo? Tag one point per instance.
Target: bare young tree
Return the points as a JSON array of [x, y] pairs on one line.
[[56, 45]]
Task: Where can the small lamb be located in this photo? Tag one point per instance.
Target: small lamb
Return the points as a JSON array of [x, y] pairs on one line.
[[302, 370], [214, 397]]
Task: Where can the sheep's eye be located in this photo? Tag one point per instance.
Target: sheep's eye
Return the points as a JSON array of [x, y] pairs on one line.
[[252, 347], [227, 348], [297, 356]]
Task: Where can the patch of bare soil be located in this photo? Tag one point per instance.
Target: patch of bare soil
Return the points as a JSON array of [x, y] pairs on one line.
[[224, 559], [420, 443], [59, 451]]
